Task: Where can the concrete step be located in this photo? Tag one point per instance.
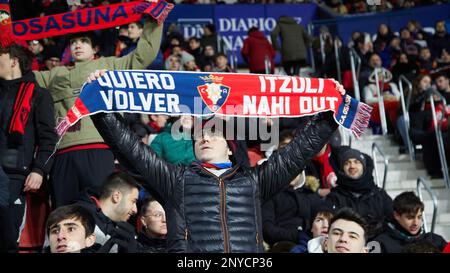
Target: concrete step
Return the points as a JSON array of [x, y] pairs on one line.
[[410, 184], [438, 188], [400, 165], [399, 176]]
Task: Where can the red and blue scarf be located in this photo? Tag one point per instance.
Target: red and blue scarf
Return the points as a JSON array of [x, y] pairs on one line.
[[206, 94], [78, 21]]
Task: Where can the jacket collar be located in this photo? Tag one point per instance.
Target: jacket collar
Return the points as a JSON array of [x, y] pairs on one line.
[[28, 77], [203, 171], [398, 232]]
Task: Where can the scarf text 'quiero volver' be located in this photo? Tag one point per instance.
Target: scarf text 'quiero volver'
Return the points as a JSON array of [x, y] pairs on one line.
[[204, 94]]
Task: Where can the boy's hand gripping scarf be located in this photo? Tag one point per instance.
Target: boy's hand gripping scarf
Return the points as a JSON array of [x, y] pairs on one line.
[[228, 94], [87, 19]]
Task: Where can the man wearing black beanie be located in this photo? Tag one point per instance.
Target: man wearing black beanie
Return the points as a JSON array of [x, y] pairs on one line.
[[356, 189]]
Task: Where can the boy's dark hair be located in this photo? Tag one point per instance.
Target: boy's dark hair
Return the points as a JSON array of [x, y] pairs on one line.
[[118, 181], [24, 56], [193, 38], [325, 214], [220, 55], [350, 215], [72, 212], [138, 23], [421, 246], [407, 202], [87, 35]]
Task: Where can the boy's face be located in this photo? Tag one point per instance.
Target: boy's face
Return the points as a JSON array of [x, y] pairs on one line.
[[346, 237], [442, 83], [221, 61], [194, 44], [319, 226], [68, 236], [412, 222], [81, 49], [134, 31]]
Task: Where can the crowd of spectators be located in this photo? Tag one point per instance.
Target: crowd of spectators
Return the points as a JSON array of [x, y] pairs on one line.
[[332, 206]]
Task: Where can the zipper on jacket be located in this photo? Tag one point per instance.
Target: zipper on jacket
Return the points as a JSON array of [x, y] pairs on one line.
[[257, 238], [223, 217], [185, 234]]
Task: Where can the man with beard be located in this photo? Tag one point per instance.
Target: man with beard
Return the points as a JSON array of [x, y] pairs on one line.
[[356, 189], [111, 209]]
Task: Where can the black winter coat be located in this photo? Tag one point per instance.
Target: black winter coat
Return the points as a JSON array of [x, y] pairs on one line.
[[285, 212], [118, 236], [147, 244], [207, 213], [17, 153], [392, 240]]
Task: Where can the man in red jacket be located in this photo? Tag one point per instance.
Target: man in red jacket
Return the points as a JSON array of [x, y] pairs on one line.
[[257, 51]]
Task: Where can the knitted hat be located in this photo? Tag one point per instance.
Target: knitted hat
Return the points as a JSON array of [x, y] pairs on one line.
[[186, 57], [352, 153]]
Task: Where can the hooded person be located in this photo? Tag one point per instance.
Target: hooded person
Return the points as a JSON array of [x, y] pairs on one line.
[[52, 56], [257, 50], [356, 189]]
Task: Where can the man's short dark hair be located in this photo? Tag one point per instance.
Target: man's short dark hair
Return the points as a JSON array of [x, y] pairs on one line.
[[407, 202], [440, 74], [24, 56], [72, 212], [350, 215], [118, 181]]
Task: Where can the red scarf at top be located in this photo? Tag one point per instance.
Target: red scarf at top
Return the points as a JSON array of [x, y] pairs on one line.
[[82, 20]]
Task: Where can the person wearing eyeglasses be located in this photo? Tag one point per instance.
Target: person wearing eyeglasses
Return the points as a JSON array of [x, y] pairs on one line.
[[152, 238]]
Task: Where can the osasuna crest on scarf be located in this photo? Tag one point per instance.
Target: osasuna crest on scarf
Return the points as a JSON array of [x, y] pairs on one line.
[[213, 93]]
